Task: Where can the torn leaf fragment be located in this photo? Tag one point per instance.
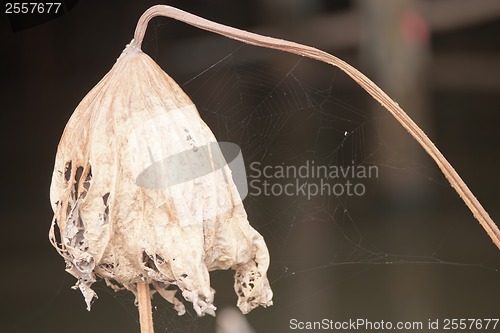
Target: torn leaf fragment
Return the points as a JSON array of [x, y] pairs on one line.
[[124, 209]]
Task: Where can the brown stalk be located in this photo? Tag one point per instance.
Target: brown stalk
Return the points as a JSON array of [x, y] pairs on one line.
[[145, 314], [279, 44]]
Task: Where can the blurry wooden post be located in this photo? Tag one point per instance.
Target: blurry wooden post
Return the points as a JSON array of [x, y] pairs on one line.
[[310, 221], [395, 52], [285, 12]]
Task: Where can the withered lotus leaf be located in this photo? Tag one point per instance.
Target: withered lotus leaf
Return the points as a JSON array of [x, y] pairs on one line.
[[124, 209]]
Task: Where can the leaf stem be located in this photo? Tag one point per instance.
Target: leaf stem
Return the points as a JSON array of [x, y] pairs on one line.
[[279, 44], [145, 314]]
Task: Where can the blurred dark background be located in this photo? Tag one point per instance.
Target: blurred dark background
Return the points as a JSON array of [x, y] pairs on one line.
[[408, 250]]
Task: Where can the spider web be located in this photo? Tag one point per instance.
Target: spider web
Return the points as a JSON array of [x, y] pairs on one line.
[[329, 253]]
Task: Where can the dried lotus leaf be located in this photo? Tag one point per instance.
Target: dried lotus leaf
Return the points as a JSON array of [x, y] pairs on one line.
[[124, 209]]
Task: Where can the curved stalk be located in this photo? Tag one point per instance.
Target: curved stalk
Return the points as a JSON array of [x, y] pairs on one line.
[[279, 44]]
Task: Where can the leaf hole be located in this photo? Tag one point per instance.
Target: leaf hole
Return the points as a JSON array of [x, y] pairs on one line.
[[105, 199], [160, 260], [148, 261], [67, 170], [88, 178], [107, 266], [78, 175]]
